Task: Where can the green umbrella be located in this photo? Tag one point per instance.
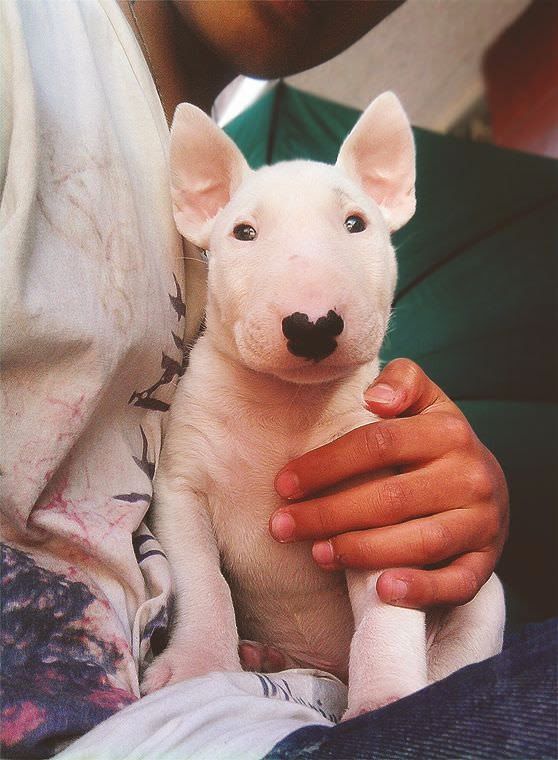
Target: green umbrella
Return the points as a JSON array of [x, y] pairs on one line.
[[475, 304]]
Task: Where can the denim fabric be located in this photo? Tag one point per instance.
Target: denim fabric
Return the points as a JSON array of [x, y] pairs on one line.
[[504, 707]]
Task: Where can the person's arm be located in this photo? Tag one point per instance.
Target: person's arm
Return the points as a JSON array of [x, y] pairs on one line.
[[446, 502]]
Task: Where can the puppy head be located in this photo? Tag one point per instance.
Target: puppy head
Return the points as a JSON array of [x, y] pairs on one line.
[[301, 268]]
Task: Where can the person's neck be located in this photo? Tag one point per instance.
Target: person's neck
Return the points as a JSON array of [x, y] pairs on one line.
[[184, 69]]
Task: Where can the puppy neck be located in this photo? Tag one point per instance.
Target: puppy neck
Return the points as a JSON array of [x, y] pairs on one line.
[[267, 394]]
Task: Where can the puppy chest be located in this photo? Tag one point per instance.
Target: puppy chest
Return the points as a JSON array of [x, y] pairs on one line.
[[313, 627], [249, 555], [280, 595]]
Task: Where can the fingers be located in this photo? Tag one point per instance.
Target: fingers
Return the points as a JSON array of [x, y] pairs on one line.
[[374, 447], [381, 502], [402, 493], [402, 388], [425, 541], [455, 584]]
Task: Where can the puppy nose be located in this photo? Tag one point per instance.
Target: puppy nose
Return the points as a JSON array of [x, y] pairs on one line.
[[312, 340]]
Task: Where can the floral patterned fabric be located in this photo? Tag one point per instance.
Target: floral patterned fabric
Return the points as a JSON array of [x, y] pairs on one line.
[[93, 306]]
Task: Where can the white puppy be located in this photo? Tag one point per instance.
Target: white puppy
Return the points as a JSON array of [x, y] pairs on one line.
[[301, 279]]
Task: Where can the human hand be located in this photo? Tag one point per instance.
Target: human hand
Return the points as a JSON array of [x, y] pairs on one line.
[[446, 501]]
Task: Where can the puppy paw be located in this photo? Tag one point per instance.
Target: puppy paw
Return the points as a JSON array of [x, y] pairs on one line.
[[368, 705], [157, 675], [170, 668], [177, 665], [262, 658]]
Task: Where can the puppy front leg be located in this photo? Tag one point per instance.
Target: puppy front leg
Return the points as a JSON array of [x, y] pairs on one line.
[[388, 650], [204, 637]]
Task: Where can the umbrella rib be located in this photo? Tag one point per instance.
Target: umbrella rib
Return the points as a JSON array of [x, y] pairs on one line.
[[505, 400], [274, 120], [456, 252]]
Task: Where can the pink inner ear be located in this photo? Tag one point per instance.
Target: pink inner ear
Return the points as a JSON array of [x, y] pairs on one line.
[[378, 187], [206, 167], [391, 176], [202, 200], [379, 153]]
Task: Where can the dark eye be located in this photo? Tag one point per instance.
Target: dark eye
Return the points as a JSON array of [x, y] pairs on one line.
[[244, 232], [355, 223]]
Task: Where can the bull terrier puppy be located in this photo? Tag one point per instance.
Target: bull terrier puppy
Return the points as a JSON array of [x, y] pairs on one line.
[[301, 277]]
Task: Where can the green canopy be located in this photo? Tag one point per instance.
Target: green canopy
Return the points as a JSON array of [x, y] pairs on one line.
[[475, 304]]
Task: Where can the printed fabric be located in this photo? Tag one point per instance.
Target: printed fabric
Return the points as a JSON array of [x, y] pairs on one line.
[[93, 309]]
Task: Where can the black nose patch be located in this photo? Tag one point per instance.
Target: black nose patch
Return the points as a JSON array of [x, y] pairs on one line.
[[312, 340]]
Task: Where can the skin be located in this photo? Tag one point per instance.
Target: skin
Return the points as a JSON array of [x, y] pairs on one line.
[[196, 47], [445, 503], [273, 38]]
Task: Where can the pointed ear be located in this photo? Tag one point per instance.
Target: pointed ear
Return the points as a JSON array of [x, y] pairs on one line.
[[379, 154], [206, 169]]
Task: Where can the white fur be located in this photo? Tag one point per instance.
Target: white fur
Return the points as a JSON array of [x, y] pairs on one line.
[[247, 406]]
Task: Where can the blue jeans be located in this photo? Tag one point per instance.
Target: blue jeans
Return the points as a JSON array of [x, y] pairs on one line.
[[504, 707]]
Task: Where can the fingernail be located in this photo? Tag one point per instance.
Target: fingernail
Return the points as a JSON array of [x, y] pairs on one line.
[[287, 485], [396, 589], [380, 394], [323, 553], [282, 526]]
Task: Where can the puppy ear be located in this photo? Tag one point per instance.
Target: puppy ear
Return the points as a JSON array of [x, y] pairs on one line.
[[379, 153], [206, 168]]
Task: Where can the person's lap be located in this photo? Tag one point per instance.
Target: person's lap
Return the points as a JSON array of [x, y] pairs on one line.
[[221, 716], [504, 707], [59, 682]]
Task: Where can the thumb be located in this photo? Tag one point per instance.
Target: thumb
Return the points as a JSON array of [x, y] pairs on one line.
[[402, 388]]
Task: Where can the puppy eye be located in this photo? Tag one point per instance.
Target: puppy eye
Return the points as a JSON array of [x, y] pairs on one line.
[[355, 223], [245, 232]]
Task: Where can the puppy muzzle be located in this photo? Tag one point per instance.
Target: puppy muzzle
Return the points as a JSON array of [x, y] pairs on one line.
[[312, 340]]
